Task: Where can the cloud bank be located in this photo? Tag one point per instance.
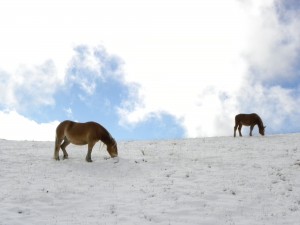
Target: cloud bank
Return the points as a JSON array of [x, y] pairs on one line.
[[182, 67], [240, 57], [17, 127]]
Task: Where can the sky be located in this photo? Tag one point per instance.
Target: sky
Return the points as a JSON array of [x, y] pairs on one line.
[[148, 69]]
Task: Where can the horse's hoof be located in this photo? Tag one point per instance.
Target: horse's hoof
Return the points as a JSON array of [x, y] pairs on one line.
[[115, 159], [89, 160], [66, 157]]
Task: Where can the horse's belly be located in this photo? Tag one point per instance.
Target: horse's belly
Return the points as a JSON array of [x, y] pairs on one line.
[[246, 124], [77, 141]]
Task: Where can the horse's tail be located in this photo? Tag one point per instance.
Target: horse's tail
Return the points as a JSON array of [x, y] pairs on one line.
[[56, 148], [55, 140]]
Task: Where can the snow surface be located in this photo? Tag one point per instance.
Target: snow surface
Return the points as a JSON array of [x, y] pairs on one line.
[[221, 180]]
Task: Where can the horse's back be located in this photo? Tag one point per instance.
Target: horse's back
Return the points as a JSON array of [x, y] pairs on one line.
[[243, 115], [83, 130], [239, 117], [63, 125], [77, 133], [69, 127], [246, 118]]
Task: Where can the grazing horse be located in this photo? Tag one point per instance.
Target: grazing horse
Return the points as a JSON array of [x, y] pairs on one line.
[[249, 120], [81, 134]]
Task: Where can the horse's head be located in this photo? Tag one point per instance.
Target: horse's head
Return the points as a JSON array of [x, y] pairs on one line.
[[262, 130], [113, 149]]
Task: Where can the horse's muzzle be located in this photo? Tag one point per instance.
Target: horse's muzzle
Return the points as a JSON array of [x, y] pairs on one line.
[[116, 159], [114, 155]]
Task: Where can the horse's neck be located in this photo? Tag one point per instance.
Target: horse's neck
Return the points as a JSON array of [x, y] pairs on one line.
[[109, 142], [105, 137], [260, 123]]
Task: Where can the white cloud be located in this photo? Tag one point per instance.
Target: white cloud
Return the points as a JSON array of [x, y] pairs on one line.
[[273, 44], [7, 96], [29, 86], [184, 65], [69, 112], [278, 106], [187, 73], [17, 127], [90, 64], [271, 86]]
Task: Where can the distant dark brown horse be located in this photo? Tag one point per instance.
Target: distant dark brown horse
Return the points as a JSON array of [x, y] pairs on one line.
[[249, 120], [81, 134]]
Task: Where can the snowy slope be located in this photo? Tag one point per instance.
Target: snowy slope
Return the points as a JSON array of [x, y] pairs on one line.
[[222, 180]]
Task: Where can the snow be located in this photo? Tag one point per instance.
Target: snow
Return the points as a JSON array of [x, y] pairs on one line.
[[219, 180]]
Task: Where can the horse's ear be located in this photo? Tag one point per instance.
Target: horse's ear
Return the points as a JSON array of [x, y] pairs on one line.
[[265, 126]]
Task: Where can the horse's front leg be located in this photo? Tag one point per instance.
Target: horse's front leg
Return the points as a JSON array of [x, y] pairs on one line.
[[251, 129], [88, 157]]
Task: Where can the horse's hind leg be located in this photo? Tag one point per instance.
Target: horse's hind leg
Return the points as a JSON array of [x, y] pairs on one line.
[[56, 148], [240, 130], [63, 147], [234, 130]]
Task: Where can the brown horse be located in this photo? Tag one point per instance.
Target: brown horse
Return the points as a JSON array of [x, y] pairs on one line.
[[81, 134], [249, 120]]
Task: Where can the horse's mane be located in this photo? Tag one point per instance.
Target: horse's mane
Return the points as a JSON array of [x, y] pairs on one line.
[[260, 122], [105, 136]]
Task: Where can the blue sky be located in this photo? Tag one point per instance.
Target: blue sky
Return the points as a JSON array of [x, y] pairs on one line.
[[96, 94], [148, 69]]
